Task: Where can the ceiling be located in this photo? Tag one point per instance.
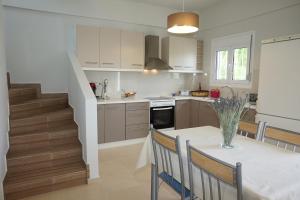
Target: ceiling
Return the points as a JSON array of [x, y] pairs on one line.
[[190, 5]]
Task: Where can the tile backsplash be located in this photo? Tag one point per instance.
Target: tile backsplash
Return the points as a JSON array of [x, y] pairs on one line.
[[145, 84]]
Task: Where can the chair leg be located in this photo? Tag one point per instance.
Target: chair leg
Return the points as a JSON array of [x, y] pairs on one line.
[[154, 182]]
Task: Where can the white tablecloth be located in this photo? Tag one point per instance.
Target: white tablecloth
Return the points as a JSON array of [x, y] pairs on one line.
[[267, 172]]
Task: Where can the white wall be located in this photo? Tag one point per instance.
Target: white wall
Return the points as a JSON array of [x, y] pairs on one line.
[[36, 36], [268, 18], [3, 106]]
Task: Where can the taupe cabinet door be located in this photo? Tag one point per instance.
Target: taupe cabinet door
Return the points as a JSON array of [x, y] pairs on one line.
[[182, 114], [100, 118], [207, 115], [114, 123], [137, 120], [195, 106]]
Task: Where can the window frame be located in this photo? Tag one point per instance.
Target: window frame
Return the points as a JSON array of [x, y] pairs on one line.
[[230, 43]]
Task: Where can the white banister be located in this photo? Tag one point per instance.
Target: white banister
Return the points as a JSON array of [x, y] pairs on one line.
[[84, 104]]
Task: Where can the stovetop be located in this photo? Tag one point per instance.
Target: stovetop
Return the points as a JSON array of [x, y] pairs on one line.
[[159, 98]]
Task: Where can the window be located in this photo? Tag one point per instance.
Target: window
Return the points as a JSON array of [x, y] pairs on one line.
[[231, 60]]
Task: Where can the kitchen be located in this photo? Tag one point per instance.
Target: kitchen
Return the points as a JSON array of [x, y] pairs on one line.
[[127, 78]]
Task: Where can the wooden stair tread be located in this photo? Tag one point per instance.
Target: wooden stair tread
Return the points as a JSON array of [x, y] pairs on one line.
[[45, 173], [45, 150]]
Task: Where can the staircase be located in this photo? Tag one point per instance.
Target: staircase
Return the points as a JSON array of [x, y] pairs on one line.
[[45, 153]]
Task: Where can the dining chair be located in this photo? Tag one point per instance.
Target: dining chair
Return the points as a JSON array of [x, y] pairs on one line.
[[212, 170], [252, 130], [282, 138], [168, 161]]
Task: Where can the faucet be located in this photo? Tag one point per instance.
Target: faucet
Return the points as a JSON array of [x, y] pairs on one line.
[[104, 86]]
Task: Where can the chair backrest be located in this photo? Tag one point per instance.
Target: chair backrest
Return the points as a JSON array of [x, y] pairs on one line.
[[214, 169], [281, 136], [252, 130], [164, 147]]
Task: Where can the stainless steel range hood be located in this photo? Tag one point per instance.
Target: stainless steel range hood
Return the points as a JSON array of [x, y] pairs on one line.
[[152, 60]]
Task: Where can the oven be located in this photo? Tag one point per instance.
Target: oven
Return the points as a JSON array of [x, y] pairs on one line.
[[162, 114]]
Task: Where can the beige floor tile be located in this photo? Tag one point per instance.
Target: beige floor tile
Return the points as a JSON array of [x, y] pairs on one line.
[[119, 180]]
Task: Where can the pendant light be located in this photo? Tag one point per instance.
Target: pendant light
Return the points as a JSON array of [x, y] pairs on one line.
[[183, 22]]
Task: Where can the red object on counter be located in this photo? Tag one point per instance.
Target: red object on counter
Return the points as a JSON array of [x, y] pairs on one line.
[[215, 93]]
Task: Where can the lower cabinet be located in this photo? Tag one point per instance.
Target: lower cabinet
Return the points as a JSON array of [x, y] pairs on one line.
[[193, 113], [114, 122], [119, 122], [137, 120], [207, 115], [182, 114]]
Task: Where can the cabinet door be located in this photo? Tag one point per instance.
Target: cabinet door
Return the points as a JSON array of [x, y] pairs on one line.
[[100, 118], [207, 115], [114, 122], [194, 119], [182, 114], [132, 50], [190, 54], [176, 52], [182, 53], [137, 131], [87, 45], [110, 47]]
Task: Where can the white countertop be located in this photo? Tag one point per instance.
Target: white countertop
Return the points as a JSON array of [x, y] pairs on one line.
[[142, 99]]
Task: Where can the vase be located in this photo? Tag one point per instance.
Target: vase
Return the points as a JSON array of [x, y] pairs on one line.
[[229, 131]]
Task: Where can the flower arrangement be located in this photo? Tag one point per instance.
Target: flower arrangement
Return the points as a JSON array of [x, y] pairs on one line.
[[229, 112]]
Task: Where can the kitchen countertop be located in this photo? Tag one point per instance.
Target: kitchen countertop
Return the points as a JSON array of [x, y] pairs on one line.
[[142, 99]]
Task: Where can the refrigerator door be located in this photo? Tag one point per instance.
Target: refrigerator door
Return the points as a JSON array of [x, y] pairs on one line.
[[279, 83]]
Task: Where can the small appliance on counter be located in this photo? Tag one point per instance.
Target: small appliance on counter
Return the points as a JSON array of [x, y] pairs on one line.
[[184, 93], [215, 93], [252, 98]]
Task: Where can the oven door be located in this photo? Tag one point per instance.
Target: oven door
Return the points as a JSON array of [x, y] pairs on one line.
[[162, 117]]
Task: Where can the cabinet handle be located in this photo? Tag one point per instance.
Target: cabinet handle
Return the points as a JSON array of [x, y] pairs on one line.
[[108, 63], [90, 62], [137, 65]]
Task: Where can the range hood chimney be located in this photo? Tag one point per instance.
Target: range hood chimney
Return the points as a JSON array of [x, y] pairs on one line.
[[152, 60]]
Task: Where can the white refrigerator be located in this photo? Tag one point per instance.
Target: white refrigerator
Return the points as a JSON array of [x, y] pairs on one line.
[[279, 83]]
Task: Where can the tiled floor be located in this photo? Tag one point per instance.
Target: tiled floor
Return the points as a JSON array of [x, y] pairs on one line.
[[119, 180]]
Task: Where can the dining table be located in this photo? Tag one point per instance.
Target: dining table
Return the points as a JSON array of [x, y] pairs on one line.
[[268, 172]]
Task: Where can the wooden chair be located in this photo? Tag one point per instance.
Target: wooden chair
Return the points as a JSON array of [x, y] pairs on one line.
[[216, 170], [252, 130], [167, 156], [282, 138]]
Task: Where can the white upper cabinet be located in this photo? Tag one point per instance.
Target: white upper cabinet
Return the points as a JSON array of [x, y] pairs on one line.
[[110, 48], [132, 50], [180, 53], [87, 45]]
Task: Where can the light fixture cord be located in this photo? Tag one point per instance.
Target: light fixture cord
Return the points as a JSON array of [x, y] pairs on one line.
[[182, 5]]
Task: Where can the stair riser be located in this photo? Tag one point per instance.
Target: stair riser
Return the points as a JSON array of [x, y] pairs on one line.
[[31, 121], [41, 144], [41, 127], [42, 165], [41, 190], [43, 137], [20, 96], [19, 191], [43, 157], [36, 109]]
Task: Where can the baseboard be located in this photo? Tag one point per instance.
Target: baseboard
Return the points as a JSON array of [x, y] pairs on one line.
[[120, 143]]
